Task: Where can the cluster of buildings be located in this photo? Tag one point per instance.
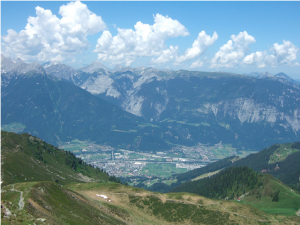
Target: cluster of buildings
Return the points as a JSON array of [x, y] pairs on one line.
[[124, 163]]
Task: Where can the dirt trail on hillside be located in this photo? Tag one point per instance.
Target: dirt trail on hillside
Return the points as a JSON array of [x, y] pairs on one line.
[[21, 202]]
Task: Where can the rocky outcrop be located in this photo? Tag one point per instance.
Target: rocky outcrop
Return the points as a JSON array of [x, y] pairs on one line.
[[248, 111]]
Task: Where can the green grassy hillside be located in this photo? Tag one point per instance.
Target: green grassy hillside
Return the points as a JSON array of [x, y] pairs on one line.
[[27, 158], [279, 160], [80, 203], [51, 203], [260, 190], [218, 165], [45, 185], [227, 184]]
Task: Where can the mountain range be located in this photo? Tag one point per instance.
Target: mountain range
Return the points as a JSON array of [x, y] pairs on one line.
[[165, 108]]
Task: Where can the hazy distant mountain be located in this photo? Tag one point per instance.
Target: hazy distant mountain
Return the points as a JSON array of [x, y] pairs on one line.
[[56, 110], [18, 66], [93, 67], [59, 70], [282, 77], [250, 113], [247, 111], [260, 75]]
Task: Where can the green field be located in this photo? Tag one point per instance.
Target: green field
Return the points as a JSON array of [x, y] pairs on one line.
[[222, 153], [135, 156], [13, 127], [161, 169], [179, 154], [74, 145], [98, 156], [288, 204], [281, 153]]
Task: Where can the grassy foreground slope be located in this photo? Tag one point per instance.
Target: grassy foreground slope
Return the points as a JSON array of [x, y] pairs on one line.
[[80, 203], [27, 158], [40, 186]]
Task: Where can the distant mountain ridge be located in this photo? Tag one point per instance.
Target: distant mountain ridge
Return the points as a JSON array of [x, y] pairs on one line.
[[18, 66], [282, 77], [205, 107], [58, 111]]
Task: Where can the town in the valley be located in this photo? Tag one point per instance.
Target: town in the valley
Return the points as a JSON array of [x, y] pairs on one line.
[[151, 165]]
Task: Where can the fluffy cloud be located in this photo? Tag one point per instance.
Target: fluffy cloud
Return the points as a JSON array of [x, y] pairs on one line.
[[46, 36], [199, 46], [145, 40], [233, 51], [196, 64], [166, 55], [255, 59], [283, 54]]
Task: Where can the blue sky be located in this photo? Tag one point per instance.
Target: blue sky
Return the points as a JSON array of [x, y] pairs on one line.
[[238, 37]]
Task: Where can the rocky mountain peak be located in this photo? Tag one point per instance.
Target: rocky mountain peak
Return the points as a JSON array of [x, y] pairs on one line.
[[9, 65], [94, 67], [283, 76]]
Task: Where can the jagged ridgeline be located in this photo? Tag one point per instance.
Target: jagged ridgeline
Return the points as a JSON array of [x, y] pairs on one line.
[[170, 107], [28, 158]]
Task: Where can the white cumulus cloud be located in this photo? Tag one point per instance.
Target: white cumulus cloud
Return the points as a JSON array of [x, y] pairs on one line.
[[46, 36], [166, 55], [202, 42], [284, 54], [256, 59], [196, 64], [233, 51], [145, 40]]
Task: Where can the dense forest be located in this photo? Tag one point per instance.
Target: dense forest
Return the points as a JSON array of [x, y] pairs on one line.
[[287, 170], [229, 183]]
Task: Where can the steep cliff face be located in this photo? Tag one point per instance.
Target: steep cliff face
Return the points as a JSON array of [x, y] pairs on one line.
[[100, 84], [248, 111]]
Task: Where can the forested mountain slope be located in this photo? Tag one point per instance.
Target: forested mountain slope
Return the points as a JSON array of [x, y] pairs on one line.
[[28, 158]]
